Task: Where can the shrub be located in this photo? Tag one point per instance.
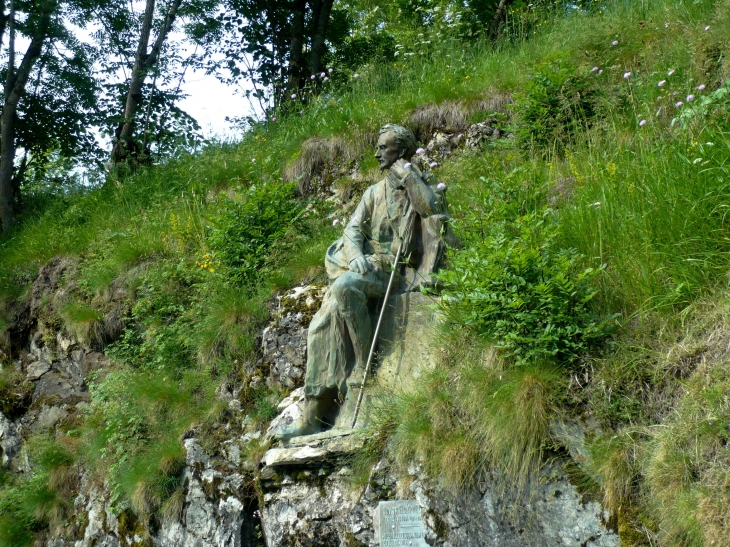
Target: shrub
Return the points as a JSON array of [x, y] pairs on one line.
[[522, 292], [247, 226], [557, 101]]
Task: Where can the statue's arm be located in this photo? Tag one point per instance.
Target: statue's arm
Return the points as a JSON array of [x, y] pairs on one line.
[[357, 227], [425, 201]]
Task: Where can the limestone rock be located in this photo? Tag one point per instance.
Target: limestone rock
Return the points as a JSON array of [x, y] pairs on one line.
[[37, 369], [10, 440], [284, 341]]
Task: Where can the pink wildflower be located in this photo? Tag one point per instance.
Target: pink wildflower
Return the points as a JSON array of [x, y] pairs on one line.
[[335, 222], [678, 104], [433, 164], [355, 75], [690, 98], [293, 95], [700, 87], [312, 77], [707, 27], [326, 79], [407, 164], [642, 123], [330, 70], [441, 186], [627, 75], [670, 72], [594, 69], [660, 84], [614, 43], [420, 151]]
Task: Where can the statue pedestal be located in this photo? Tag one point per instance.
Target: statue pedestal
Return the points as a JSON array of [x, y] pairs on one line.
[[405, 349]]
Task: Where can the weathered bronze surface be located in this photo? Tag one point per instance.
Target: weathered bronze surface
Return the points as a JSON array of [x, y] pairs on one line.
[[407, 207]]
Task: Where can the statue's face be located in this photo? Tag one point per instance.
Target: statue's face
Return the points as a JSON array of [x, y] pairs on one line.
[[387, 150]]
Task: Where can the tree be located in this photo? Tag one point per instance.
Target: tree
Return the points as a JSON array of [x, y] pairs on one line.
[[126, 147], [274, 45], [38, 28]]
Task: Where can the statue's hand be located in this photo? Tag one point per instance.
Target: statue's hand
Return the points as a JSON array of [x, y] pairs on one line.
[[360, 265], [399, 168]]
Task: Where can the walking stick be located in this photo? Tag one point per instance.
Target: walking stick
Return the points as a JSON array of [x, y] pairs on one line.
[[375, 336]]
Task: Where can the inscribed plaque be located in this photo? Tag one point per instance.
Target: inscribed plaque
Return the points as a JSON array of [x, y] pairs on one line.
[[401, 524]]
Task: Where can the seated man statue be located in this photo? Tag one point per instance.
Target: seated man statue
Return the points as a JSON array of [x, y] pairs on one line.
[[407, 208]]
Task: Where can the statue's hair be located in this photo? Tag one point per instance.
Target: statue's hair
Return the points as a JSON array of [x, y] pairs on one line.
[[403, 138]]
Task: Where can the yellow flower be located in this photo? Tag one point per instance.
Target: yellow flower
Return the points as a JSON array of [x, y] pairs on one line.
[[211, 270]]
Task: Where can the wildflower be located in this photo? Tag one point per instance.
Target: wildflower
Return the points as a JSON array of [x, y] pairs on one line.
[[433, 164], [335, 222], [690, 98], [407, 164], [293, 95], [330, 70], [660, 84], [594, 69], [614, 43], [670, 72], [600, 72], [420, 151], [253, 160], [596, 204], [322, 75], [627, 75], [459, 135], [312, 77], [273, 119], [355, 219], [441, 186], [355, 75], [707, 27], [678, 104], [326, 79], [696, 161], [700, 87], [642, 123]]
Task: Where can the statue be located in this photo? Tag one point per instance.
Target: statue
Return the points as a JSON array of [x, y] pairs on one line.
[[406, 208]]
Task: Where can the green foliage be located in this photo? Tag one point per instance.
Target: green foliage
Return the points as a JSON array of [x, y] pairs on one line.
[[245, 229], [30, 503], [557, 102], [472, 413], [515, 286], [713, 105]]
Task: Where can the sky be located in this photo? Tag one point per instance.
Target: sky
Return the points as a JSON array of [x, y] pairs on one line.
[[209, 101]]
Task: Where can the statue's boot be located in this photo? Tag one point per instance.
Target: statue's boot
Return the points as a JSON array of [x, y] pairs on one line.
[[309, 422]]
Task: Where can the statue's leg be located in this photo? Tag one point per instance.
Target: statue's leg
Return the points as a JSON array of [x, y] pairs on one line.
[[338, 343], [352, 292]]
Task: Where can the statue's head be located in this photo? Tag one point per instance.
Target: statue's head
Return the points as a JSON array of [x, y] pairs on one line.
[[394, 142]]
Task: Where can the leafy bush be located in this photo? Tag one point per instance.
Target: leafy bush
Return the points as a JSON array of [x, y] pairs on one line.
[[521, 291], [246, 227], [557, 101]]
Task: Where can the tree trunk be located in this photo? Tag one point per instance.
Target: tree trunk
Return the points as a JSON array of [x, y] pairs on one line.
[[495, 29], [320, 35], [126, 147], [13, 91], [296, 48]]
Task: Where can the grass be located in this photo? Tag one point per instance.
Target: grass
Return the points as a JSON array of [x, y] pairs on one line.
[[630, 200]]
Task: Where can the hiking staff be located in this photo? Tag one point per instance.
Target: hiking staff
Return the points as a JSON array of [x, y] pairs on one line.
[[375, 336]]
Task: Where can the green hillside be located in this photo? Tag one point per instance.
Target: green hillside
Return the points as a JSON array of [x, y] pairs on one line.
[[592, 287]]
